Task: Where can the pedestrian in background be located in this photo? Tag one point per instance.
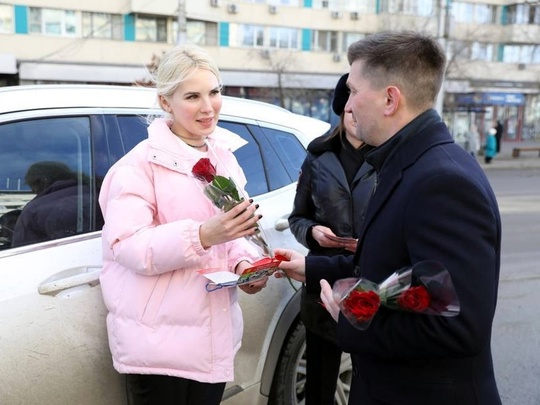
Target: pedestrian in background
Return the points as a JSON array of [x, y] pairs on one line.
[[431, 202], [473, 140], [329, 207], [174, 341], [499, 128], [490, 148]]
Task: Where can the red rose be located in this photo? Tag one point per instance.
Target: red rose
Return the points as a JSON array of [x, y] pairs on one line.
[[414, 299], [362, 304], [204, 170]]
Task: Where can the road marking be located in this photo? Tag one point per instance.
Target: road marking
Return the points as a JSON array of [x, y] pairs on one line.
[[519, 204]]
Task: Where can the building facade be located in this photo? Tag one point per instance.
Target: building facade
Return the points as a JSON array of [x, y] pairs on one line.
[[287, 52]]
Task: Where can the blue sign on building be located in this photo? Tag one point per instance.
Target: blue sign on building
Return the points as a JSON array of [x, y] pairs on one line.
[[490, 99]]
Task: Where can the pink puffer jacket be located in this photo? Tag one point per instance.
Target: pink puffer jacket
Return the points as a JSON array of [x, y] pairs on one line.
[[161, 319]]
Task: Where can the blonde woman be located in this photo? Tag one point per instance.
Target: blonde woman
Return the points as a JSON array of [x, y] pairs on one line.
[[174, 341]]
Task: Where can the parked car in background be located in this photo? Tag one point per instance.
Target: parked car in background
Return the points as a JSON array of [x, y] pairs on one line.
[[53, 343]]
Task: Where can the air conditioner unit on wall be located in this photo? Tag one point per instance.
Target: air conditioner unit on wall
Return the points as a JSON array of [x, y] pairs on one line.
[[232, 8], [272, 9], [354, 15], [324, 4], [214, 3], [336, 15]]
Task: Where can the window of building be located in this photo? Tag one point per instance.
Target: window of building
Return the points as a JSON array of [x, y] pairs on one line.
[[151, 29], [202, 33], [293, 3], [284, 38], [523, 14], [473, 13], [482, 51], [53, 22], [521, 53], [6, 19], [465, 50], [102, 25], [324, 41], [409, 7], [349, 38], [246, 35]]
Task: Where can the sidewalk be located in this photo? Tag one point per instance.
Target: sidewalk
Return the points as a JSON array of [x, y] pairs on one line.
[[504, 159]]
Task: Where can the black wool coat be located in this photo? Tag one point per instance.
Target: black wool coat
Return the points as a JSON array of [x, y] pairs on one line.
[[432, 202]]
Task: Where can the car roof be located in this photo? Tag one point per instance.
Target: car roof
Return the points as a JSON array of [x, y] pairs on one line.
[[39, 97]]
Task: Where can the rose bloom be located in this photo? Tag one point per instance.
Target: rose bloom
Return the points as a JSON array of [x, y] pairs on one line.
[[204, 169], [362, 304], [414, 299]]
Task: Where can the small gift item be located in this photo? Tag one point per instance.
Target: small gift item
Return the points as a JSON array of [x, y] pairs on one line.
[[425, 288], [260, 269]]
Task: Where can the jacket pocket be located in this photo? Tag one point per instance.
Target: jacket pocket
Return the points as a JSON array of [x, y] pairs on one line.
[[156, 298]]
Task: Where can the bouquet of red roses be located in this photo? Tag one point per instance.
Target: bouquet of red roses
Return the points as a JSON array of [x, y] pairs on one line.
[[425, 288], [222, 191]]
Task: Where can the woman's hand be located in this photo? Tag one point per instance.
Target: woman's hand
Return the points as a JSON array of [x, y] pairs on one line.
[[223, 227], [253, 287], [326, 238]]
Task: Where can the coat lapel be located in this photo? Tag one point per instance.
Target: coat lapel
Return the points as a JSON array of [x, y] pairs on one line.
[[392, 172]]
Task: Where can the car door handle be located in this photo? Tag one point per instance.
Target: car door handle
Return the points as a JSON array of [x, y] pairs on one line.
[[281, 224], [70, 278]]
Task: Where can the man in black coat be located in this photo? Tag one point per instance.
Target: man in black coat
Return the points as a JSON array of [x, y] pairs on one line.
[[61, 207], [432, 202]]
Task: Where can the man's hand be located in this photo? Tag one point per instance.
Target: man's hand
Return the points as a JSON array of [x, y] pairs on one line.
[[327, 298], [294, 266]]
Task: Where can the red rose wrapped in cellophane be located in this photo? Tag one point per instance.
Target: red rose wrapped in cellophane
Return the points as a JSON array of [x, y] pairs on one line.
[[425, 288], [222, 191]]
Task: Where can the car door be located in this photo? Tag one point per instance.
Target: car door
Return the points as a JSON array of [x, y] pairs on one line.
[[53, 344]]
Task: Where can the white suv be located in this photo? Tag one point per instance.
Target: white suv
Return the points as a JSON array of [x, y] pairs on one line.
[[53, 343]]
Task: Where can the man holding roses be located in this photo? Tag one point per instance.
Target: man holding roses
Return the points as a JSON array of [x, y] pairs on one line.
[[431, 201]]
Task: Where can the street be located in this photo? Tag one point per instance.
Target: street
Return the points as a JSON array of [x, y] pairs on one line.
[[516, 332]]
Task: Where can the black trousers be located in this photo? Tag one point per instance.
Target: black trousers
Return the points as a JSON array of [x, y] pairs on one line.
[[323, 359], [148, 389]]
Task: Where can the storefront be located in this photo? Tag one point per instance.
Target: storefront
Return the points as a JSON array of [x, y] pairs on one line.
[[484, 110]]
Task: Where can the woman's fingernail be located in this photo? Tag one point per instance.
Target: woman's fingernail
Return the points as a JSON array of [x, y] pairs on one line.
[[256, 206], [260, 216], [251, 200]]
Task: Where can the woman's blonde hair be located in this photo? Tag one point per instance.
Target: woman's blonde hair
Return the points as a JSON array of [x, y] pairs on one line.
[[178, 64]]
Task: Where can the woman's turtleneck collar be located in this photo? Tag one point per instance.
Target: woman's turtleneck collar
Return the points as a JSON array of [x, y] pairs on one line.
[[383, 153]]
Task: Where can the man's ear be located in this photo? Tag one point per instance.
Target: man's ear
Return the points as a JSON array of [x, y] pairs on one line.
[[393, 98]]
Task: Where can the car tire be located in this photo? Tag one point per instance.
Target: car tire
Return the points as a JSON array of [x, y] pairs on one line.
[[288, 387]]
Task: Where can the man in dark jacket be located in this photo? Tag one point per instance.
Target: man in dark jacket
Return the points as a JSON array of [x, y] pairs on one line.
[[60, 208], [432, 202]]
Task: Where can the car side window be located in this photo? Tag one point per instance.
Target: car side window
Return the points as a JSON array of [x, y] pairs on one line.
[[290, 152], [46, 187], [133, 129], [249, 158]]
